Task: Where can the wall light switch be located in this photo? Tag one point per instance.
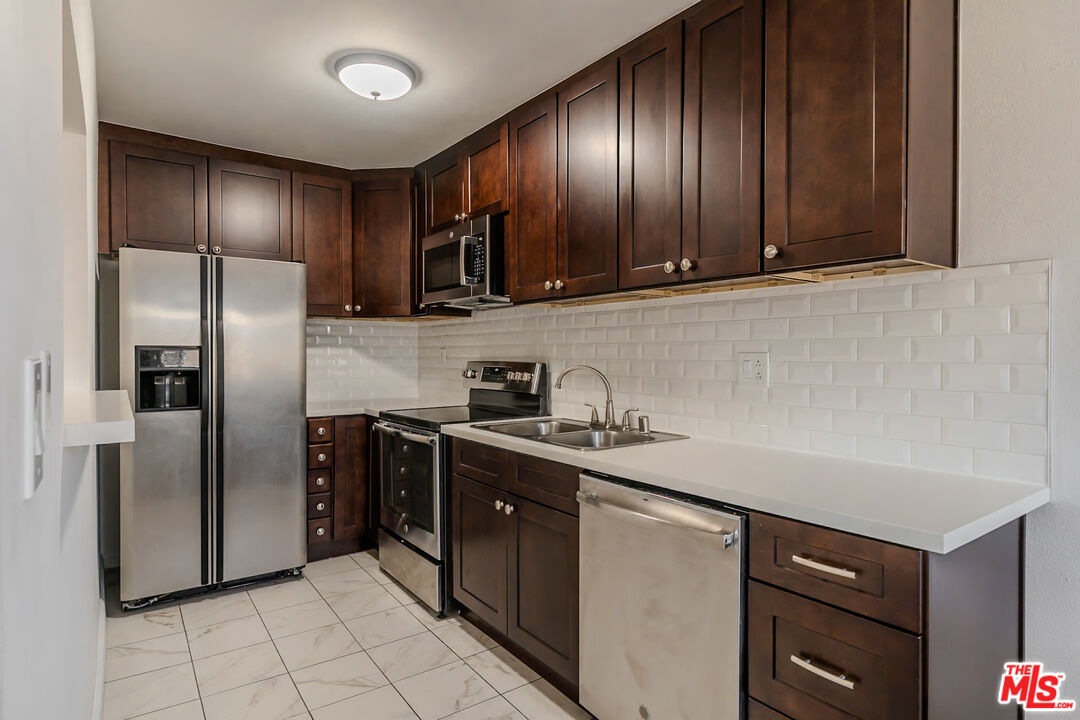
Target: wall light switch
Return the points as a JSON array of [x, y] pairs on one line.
[[754, 369]]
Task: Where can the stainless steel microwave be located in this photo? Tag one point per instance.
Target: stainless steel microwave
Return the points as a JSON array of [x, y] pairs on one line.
[[463, 266]]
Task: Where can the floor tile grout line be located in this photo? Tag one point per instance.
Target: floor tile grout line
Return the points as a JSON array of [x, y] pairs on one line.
[[287, 671]]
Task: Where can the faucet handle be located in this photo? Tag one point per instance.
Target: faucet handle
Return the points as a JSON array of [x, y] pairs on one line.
[[595, 414], [626, 419]]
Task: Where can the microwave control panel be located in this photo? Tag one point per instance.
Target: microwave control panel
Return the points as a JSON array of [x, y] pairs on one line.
[[479, 260]]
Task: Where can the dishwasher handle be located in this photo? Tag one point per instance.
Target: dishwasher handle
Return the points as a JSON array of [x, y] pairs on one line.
[[729, 537]]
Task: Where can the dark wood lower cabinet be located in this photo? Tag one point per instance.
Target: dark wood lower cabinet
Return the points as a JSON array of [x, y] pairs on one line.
[[350, 476], [339, 483], [480, 549]]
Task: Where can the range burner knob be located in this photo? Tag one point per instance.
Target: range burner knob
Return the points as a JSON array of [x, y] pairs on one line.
[[468, 374]]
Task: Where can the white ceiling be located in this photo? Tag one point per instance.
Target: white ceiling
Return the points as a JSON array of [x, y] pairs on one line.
[[253, 73]]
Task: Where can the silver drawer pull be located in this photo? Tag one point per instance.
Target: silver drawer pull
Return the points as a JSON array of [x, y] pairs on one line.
[[808, 665], [823, 567]]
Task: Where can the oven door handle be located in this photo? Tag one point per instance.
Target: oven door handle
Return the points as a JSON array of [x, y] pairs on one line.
[[405, 435]]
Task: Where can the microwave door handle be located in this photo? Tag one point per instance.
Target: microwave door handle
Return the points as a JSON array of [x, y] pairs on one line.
[[461, 262]]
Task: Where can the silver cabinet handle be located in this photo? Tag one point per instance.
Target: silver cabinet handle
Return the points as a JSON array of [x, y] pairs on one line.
[[320, 481], [201, 248], [559, 284], [508, 509], [669, 267], [322, 457], [321, 431], [808, 665], [499, 504], [824, 567], [548, 285], [348, 308], [320, 506], [686, 264], [771, 251], [217, 250], [320, 531]]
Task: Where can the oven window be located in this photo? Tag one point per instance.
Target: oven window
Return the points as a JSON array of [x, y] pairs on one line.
[[408, 483], [442, 267]]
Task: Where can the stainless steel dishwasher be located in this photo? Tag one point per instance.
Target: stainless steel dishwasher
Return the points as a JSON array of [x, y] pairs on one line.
[[661, 600]]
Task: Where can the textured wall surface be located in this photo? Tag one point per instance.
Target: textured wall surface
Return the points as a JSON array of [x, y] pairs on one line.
[[353, 360]]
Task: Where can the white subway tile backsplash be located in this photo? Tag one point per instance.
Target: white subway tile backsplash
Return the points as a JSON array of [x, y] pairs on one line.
[[931, 369]]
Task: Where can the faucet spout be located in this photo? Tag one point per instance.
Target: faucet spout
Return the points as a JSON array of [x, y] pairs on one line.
[[609, 407]]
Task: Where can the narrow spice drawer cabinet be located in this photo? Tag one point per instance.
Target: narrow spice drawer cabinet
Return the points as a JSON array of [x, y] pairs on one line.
[[338, 485], [844, 627]]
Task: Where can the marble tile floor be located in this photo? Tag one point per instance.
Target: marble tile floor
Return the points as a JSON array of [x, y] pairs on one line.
[[342, 642]]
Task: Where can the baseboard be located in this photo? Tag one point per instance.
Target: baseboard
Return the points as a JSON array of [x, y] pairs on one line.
[[99, 676]]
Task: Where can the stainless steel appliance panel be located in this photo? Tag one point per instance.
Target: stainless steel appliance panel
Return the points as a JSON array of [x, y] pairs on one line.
[[162, 544], [661, 586], [410, 476], [420, 575], [259, 399]]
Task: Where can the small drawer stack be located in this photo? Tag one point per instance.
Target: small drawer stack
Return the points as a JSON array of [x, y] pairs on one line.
[[843, 626], [320, 479]]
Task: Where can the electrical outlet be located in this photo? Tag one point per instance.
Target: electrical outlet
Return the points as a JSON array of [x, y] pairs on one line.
[[754, 369]]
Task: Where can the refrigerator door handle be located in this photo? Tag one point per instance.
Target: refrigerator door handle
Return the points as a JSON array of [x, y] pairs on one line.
[[219, 422], [205, 451]]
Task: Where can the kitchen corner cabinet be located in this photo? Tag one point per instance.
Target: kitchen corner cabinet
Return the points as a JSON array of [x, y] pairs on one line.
[[250, 211], [514, 552], [322, 240], [467, 180], [157, 198], [339, 485], [859, 132], [382, 244]]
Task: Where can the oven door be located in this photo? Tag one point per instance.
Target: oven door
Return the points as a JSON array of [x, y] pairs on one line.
[[410, 479], [446, 261]]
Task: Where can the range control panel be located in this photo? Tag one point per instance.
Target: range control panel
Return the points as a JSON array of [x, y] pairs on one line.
[[503, 375]]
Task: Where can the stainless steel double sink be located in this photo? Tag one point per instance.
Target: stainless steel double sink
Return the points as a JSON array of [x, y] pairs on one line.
[[577, 435]]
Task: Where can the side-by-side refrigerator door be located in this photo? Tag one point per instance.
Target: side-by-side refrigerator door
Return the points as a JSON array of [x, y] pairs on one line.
[[164, 474], [260, 416]]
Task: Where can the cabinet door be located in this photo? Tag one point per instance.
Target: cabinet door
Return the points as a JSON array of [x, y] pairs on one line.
[[485, 158], [444, 180], [322, 219], [532, 227], [157, 198], [382, 246], [250, 211], [650, 158], [834, 131], [351, 480], [479, 538], [543, 588], [588, 182], [722, 140]]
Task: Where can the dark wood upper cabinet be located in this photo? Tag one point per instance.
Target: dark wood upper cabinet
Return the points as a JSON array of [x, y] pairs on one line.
[[650, 158], [485, 159], [444, 180], [543, 585], [322, 222], [382, 244], [532, 225], [834, 131], [250, 211], [721, 203], [480, 533], [351, 479], [157, 198], [588, 130]]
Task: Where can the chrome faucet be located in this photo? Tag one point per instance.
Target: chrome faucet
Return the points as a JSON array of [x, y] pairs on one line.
[[609, 407]]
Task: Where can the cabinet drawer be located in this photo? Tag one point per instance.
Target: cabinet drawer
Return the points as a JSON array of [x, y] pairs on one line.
[[318, 506], [318, 530], [815, 662], [865, 576], [546, 482], [320, 456], [320, 481], [757, 711], [320, 430], [480, 462]]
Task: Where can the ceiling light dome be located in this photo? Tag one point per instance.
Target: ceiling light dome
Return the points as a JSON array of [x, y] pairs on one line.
[[375, 76]]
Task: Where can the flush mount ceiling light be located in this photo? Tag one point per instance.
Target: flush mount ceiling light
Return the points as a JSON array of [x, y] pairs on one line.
[[375, 76]]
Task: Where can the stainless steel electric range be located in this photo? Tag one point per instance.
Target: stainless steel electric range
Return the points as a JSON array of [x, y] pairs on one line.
[[414, 466]]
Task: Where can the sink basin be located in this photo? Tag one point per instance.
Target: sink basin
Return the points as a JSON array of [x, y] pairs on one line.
[[536, 428], [594, 439]]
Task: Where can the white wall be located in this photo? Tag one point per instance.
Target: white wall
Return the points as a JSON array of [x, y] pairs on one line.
[[49, 582], [1019, 199], [350, 361]]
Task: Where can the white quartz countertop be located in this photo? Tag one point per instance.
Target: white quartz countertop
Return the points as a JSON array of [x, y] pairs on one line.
[[922, 509], [377, 405]]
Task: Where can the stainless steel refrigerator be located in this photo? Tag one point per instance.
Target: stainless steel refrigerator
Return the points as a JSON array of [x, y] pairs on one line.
[[212, 354]]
